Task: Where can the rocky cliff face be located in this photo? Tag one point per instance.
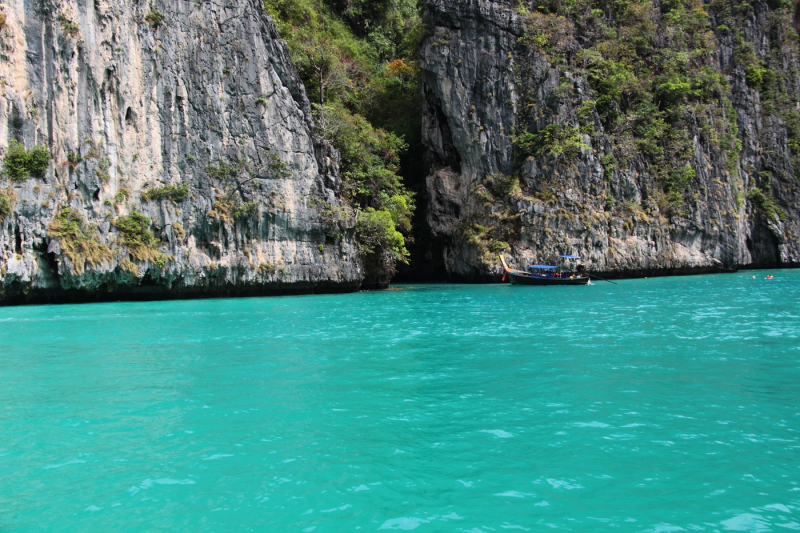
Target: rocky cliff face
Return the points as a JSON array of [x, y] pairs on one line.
[[652, 138], [183, 159]]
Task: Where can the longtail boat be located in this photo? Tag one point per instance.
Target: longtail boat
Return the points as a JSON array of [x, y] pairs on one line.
[[542, 275]]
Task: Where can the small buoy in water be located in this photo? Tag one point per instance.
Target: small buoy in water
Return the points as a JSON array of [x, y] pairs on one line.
[[754, 277], [769, 277]]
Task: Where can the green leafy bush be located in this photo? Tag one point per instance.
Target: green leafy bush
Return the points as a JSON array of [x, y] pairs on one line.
[[586, 116], [38, 160], [142, 245], [498, 246], [549, 33], [229, 208], [102, 175], [6, 204], [246, 210], [553, 139], [19, 164], [370, 173], [676, 184], [609, 163], [155, 18], [73, 158], [675, 90], [766, 204], [792, 118], [223, 171], [755, 76], [376, 232], [614, 81], [369, 156], [15, 163], [122, 194], [401, 207], [679, 180], [174, 193]]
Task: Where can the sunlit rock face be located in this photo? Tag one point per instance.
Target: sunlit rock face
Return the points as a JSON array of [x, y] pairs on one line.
[[490, 74], [129, 97]]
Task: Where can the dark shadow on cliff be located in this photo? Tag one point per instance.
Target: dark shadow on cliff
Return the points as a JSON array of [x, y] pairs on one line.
[[426, 262]]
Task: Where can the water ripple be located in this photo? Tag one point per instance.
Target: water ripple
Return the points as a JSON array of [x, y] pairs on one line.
[[654, 405]]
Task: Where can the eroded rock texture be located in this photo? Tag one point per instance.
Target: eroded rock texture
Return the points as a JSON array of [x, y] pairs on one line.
[[131, 96], [494, 70]]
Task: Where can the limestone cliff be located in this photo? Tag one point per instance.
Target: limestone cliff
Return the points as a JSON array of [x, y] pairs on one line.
[[183, 156], [543, 138]]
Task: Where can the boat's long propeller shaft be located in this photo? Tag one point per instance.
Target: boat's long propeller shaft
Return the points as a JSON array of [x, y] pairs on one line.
[[601, 279]]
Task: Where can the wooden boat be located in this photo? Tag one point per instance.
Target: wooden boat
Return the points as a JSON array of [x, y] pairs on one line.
[[540, 275]]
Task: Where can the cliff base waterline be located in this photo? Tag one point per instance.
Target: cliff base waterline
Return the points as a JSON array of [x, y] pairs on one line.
[[15, 295]]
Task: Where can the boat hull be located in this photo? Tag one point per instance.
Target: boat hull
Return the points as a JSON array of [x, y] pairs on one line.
[[525, 279]]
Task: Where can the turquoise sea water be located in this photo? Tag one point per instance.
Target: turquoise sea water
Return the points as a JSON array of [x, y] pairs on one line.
[[656, 405]]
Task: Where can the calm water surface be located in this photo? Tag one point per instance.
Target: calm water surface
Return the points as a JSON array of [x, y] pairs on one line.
[[656, 405]]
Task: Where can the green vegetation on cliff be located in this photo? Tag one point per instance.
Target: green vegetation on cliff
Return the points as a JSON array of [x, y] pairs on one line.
[[79, 240], [358, 63], [174, 193], [19, 163], [659, 82], [7, 198], [142, 245]]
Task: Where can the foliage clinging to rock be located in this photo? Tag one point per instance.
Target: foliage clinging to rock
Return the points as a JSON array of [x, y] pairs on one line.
[[6, 203], [376, 231], [155, 18], [175, 193], [766, 204], [358, 62], [652, 77], [19, 163], [79, 240], [142, 245]]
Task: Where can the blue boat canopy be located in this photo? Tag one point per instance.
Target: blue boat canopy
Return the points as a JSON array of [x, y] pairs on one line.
[[570, 256], [546, 267]]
